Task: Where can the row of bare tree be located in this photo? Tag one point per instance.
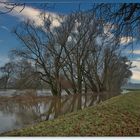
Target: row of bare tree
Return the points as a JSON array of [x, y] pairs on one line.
[[80, 55], [19, 75]]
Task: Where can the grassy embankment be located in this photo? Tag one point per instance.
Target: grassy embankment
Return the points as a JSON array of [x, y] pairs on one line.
[[118, 116]]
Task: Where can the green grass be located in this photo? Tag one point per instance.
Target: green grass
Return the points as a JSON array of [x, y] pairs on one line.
[[118, 116]]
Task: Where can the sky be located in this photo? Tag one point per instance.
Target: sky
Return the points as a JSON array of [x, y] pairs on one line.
[[32, 10]]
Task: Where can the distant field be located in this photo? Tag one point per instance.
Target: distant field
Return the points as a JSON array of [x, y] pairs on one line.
[[133, 89], [118, 116]]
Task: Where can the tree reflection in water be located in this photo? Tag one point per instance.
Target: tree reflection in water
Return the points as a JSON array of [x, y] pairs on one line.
[[31, 109]]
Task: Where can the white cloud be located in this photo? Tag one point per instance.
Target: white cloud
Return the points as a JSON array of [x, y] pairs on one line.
[[2, 6], [108, 27], [136, 75], [33, 14], [136, 70], [30, 13], [126, 40], [27, 13]]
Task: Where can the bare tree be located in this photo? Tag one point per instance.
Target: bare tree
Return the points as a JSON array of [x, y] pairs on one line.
[[80, 50], [117, 71], [102, 57], [77, 49], [7, 71], [41, 48], [25, 75]]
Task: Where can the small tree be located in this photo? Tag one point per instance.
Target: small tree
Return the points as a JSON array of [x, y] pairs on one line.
[[7, 71], [26, 76]]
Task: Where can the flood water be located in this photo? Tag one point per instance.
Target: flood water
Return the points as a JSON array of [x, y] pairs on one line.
[[17, 111]]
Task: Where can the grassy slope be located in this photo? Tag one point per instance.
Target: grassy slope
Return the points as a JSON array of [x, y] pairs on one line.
[[119, 116]]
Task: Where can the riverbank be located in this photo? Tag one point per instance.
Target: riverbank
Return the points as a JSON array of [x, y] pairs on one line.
[[118, 116]]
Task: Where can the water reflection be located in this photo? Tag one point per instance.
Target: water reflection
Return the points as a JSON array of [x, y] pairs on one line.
[[18, 111]]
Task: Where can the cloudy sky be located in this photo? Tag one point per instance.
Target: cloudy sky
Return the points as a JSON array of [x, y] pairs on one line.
[[32, 11]]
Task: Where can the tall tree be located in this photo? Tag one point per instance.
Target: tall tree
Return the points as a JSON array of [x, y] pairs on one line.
[[79, 50]]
